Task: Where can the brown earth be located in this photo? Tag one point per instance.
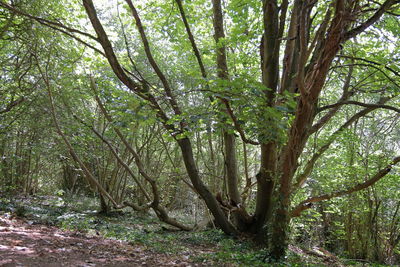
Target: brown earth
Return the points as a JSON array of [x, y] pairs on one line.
[[22, 244]]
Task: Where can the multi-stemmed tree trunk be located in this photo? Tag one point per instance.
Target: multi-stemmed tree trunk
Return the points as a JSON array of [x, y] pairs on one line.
[[308, 53]]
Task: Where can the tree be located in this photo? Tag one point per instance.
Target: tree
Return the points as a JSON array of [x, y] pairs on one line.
[[294, 48]]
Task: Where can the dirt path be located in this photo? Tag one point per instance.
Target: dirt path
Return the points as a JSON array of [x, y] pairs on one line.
[[22, 244]]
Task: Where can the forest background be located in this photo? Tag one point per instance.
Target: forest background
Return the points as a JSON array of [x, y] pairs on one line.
[[274, 120]]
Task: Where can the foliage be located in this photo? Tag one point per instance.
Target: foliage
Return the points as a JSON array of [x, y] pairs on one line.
[[126, 111]]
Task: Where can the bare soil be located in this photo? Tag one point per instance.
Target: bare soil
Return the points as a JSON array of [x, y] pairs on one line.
[[24, 244]]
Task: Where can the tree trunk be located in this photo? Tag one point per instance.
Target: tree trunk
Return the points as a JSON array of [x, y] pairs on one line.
[[269, 52], [211, 202], [229, 138]]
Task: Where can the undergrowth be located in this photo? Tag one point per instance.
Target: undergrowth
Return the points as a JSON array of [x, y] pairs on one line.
[[211, 247]]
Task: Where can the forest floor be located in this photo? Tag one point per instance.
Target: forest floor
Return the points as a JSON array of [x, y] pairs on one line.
[[22, 244], [49, 231]]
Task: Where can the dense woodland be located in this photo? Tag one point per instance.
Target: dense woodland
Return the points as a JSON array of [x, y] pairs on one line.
[[276, 121]]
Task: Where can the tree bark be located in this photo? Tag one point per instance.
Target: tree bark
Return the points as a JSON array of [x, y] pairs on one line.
[[229, 138], [269, 52], [310, 85]]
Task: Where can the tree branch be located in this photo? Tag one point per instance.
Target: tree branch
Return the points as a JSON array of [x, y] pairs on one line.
[[153, 63], [359, 104], [88, 175], [236, 123], [372, 62], [374, 67], [306, 204], [191, 39], [362, 27], [115, 153], [345, 95], [158, 209], [138, 89], [11, 105], [47, 22], [301, 179]]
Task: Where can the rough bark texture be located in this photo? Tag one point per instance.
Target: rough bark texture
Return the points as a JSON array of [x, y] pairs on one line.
[[310, 89]]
